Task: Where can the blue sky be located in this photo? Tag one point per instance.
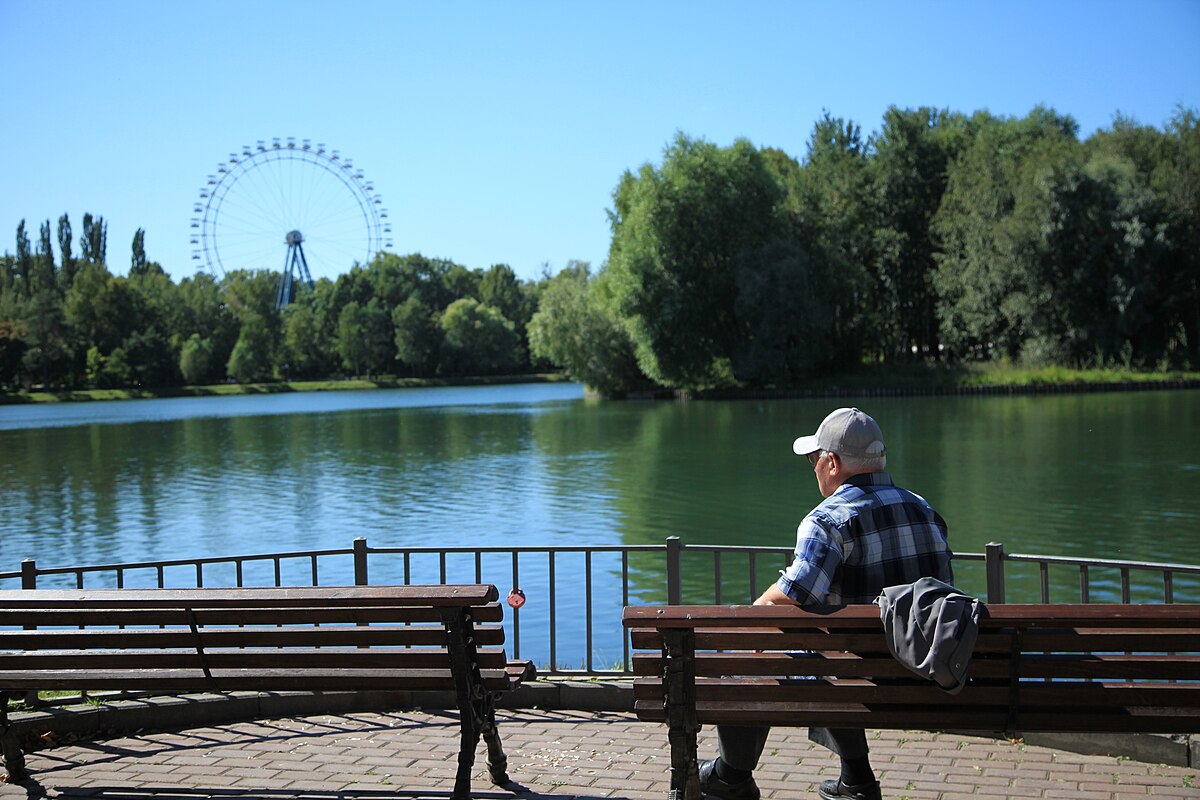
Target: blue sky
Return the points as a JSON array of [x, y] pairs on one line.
[[496, 132]]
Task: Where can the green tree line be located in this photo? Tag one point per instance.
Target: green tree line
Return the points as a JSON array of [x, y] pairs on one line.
[[941, 236], [71, 322]]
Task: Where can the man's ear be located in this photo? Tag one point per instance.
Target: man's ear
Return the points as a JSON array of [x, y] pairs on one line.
[[835, 465]]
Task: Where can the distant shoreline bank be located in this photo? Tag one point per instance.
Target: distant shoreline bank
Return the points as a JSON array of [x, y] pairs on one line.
[[236, 389], [907, 382]]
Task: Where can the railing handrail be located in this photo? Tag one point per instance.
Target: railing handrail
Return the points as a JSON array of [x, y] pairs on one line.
[[182, 562], [1102, 562]]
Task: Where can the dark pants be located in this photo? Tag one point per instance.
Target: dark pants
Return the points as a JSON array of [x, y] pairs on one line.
[[741, 746]]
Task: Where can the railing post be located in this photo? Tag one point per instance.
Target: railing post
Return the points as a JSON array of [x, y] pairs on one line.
[[360, 562], [29, 581], [993, 560], [29, 574], [674, 573]]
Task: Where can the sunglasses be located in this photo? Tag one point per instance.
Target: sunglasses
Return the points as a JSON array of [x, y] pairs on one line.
[[814, 457]]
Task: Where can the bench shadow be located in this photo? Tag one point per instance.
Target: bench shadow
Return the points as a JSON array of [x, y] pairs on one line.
[[101, 751]]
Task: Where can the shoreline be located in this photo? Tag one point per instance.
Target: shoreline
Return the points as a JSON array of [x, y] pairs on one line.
[[237, 389], [908, 383]]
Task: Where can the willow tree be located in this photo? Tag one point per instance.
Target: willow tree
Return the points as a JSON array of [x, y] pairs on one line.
[[682, 233]]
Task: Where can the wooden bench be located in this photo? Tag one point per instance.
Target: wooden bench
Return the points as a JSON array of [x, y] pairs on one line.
[[1063, 668], [265, 639]]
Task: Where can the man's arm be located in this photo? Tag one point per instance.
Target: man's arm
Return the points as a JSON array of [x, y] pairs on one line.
[[774, 597]]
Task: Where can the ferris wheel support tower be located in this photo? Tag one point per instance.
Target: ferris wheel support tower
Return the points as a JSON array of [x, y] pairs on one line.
[[295, 266]]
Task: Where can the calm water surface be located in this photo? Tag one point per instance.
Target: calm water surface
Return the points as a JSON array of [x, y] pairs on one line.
[[1113, 475]]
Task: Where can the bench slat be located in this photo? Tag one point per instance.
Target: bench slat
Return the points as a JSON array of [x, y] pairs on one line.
[[840, 664], [354, 614], [315, 596], [1093, 695], [296, 658], [1008, 615], [275, 679], [346, 635], [1186, 640]]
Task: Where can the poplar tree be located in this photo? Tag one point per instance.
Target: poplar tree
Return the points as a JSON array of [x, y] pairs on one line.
[[43, 264], [66, 272], [95, 239], [137, 265], [24, 262]]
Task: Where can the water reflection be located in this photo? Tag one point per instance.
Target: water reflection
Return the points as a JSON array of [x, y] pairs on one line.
[[1098, 475]]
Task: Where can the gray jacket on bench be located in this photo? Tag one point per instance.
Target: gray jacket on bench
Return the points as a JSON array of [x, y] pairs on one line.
[[931, 629]]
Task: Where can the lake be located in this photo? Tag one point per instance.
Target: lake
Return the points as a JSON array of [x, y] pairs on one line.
[[1103, 475]]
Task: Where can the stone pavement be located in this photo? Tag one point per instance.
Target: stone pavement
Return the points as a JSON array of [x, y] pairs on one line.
[[553, 755]]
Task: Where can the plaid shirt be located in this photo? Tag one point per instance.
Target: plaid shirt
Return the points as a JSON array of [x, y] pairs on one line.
[[867, 535]]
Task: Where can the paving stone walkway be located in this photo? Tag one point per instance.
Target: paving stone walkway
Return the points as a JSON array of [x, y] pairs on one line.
[[553, 755]]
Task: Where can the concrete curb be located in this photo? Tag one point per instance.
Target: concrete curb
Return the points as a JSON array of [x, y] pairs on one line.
[[576, 694]]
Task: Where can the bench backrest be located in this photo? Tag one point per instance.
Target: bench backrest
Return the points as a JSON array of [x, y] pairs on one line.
[[1035, 667], [387, 637]]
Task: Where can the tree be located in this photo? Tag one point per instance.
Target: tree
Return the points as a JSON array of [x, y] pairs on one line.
[[680, 235], [365, 339], [500, 288], [100, 309], [161, 304], [985, 277], [205, 312], [108, 372], [787, 321], [196, 360], [24, 261], [1175, 178], [46, 352], [251, 359], [8, 275], [575, 328], [911, 155], [66, 272], [251, 294], [137, 264], [303, 341], [154, 362], [44, 278], [831, 215], [95, 239], [478, 339], [418, 336], [12, 351], [461, 282]]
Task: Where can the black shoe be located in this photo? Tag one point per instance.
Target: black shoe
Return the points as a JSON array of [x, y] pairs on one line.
[[836, 790], [712, 786]]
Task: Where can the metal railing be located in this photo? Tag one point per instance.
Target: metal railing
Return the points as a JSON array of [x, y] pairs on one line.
[[571, 623]]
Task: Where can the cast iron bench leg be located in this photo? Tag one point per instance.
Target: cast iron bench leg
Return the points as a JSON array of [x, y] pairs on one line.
[[679, 683], [14, 759], [497, 762]]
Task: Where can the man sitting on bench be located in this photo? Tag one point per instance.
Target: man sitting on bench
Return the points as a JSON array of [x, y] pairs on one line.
[[866, 535]]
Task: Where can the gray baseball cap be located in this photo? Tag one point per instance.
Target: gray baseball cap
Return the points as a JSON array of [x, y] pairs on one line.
[[847, 432]]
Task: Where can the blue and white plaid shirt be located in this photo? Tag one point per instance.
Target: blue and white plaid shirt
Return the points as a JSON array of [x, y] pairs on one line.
[[867, 535]]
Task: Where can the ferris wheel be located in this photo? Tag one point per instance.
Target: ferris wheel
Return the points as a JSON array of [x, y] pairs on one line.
[[293, 205]]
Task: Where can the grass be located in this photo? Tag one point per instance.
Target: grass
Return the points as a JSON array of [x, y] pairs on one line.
[[17, 702], [926, 375]]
